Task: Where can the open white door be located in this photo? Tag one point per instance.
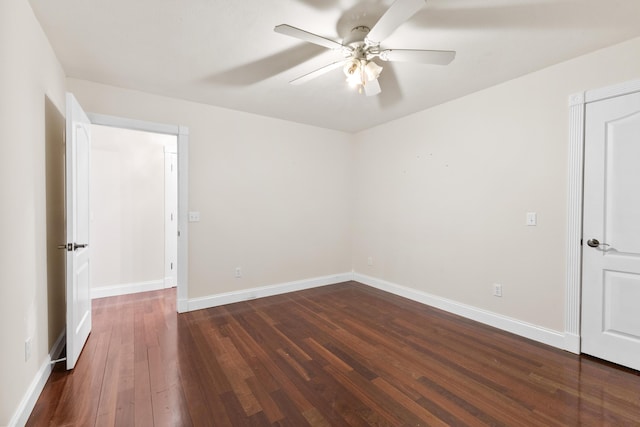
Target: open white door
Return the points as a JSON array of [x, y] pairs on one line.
[[611, 237], [78, 150]]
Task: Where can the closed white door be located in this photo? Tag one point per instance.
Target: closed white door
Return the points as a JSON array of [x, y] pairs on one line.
[[78, 149], [611, 231]]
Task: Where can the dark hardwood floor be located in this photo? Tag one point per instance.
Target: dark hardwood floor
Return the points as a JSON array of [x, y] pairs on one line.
[[341, 355]]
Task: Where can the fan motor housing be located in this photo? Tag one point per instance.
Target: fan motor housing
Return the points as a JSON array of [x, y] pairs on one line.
[[356, 35]]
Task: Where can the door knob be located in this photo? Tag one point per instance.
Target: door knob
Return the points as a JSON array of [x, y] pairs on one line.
[[594, 243]]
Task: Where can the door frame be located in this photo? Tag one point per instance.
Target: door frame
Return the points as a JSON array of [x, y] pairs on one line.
[[182, 134], [575, 191], [170, 278]]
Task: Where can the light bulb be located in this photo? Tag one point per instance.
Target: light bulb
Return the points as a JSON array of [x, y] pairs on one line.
[[353, 70], [372, 70], [354, 80]]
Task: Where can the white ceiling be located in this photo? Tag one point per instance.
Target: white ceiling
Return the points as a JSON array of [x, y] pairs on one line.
[[225, 52]]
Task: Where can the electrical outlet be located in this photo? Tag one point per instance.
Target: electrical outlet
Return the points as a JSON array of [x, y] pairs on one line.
[[238, 272], [370, 260], [497, 290], [27, 349]]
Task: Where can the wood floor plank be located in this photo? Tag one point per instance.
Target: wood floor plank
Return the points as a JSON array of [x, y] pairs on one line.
[[86, 381], [270, 408], [340, 355], [197, 381], [368, 395], [143, 409], [110, 387]]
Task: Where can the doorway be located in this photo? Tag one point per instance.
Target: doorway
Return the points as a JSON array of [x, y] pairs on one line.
[[133, 211], [179, 158]]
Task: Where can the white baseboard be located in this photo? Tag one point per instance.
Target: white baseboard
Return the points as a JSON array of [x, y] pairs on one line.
[[509, 324], [182, 305], [572, 343], [170, 282], [264, 291], [28, 402], [126, 288]]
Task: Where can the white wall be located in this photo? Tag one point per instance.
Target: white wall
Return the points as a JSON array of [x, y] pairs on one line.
[[441, 196], [32, 87], [127, 206], [273, 196]]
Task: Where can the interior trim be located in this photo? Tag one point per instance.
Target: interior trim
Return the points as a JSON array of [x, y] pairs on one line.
[[126, 288], [505, 323], [266, 291], [182, 133], [574, 222]]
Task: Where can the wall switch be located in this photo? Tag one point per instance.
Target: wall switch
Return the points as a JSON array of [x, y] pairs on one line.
[[238, 272], [532, 218], [497, 290], [194, 216]]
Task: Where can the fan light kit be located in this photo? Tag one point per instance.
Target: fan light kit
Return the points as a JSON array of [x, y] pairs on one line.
[[358, 66], [362, 46]]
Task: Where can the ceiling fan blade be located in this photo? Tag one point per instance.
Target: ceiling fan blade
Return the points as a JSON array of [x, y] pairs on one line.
[[372, 87], [397, 14], [288, 30], [436, 57], [317, 73]]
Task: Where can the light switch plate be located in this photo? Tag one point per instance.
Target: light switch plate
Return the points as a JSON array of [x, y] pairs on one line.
[[194, 216], [532, 218]]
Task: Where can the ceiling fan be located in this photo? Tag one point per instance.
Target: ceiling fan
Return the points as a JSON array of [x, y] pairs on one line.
[[363, 45]]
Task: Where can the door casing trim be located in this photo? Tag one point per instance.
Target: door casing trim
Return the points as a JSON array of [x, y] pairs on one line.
[[182, 133]]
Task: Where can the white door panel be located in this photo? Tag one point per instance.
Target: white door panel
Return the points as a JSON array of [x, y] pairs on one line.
[[621, 295], [78, 149], [611, 270], [621, 179]]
